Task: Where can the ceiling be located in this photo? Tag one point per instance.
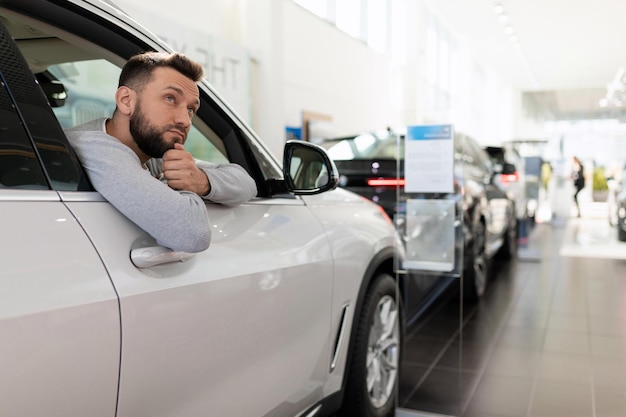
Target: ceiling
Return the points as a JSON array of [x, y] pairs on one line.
[[573, 47]]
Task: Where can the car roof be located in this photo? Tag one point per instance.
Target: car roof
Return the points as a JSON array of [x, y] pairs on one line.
[[36, 43]]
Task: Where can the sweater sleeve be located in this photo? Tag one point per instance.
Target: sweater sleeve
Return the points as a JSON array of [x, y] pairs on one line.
[[177, 220], [231, 185]]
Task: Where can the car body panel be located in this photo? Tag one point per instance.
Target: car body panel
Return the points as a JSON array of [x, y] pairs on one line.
[[357, 232], [498, 222], [211, 324], [59, 315]]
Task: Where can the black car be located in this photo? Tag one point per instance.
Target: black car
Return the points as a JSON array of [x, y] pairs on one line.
[[372, 165]]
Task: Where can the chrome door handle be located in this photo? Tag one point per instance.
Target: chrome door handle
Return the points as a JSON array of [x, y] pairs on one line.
[[156, 255]]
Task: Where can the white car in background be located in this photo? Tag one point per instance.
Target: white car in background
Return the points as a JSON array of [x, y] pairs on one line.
[[294, 310]]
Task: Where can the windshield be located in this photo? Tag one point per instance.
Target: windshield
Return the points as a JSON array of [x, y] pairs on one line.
[[381, 145]]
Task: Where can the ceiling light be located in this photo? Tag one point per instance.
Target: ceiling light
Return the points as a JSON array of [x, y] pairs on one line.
[[503, 18]]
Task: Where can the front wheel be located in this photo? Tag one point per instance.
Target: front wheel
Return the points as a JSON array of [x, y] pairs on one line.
[[374, 364], [476, 276]]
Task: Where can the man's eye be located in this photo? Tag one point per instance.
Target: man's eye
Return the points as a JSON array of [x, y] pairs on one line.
[[169, 98]]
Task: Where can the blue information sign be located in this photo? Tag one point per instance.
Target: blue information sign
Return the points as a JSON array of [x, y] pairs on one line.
[[429, 159]]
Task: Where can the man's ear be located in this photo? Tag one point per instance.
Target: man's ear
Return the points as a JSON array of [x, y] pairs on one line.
[[125, 99]]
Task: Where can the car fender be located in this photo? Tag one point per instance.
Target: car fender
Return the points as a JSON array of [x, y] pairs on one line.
[[381, 251]]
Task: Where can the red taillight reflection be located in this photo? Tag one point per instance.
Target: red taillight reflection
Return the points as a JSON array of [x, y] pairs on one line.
[[385, 182], [506, 178]]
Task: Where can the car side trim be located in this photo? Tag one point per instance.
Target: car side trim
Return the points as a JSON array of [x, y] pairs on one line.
[[73, 196], [312, 412], [28, 195], [340, 336]]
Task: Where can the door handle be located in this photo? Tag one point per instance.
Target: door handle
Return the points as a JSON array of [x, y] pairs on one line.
[[149, 256]]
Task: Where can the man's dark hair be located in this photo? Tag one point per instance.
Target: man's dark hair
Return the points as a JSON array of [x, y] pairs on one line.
[[138, 69]]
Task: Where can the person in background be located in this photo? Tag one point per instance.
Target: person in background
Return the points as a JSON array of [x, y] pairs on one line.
[[578, 176], [546, 175], [137, 160]]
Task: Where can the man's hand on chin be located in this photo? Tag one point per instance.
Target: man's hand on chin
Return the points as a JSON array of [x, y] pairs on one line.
[[181, 172]]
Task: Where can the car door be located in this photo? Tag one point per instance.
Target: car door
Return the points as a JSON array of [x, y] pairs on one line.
[[240, 329], [59, 314], [248, 318]]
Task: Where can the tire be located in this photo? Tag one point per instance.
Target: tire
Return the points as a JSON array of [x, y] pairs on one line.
[[372, 382], [476, 275]]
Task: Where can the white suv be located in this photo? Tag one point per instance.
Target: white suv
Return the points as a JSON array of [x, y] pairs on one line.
[[294, 310]]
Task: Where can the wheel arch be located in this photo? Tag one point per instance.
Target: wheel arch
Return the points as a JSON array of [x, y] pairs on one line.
[[385, 261]]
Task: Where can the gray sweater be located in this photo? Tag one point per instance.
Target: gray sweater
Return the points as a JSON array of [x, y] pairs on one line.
[[176, 219]]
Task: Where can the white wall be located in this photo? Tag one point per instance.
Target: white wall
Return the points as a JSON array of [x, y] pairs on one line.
[[327, 71], [300, 62], [225, 18]]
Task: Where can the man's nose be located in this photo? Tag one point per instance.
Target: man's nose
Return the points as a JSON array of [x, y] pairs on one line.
[[182, 116]]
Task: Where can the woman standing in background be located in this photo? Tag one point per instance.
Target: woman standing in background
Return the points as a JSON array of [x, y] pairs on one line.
[[578, 176]]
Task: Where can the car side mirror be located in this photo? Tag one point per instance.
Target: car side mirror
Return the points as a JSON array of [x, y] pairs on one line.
[[308, 169]]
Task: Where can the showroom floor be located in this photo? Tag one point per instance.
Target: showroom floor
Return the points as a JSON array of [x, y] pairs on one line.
[[547, 340]]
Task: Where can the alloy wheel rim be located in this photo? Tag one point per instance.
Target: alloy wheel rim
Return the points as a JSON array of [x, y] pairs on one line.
[[383, 352]]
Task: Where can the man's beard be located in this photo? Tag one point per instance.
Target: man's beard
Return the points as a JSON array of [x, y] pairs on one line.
[[148, 137]]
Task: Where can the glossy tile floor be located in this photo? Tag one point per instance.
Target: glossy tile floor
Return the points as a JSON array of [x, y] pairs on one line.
[[547, 340]]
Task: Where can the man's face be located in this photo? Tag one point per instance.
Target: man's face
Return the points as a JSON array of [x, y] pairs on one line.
[[163, 112], [150, 138]]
